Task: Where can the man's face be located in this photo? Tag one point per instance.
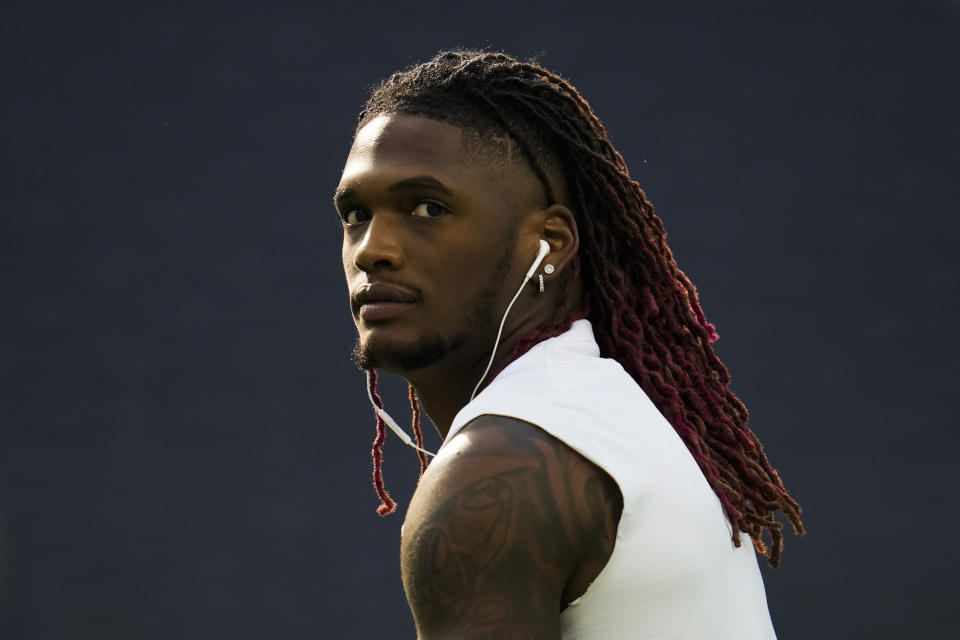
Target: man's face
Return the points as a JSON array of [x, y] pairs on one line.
[[430, 242]]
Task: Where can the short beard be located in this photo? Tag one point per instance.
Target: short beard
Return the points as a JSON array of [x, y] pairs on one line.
[[429, 349], [432, 348]]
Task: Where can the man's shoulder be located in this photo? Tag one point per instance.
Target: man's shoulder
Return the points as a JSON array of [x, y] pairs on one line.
[[510, 506], [491, 451], [492, 434], [497, 445]]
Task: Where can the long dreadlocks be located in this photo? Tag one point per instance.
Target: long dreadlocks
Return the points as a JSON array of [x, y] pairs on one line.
[[644, 310]]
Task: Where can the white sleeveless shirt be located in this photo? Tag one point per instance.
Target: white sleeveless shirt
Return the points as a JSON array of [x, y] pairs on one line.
[[674, 573]]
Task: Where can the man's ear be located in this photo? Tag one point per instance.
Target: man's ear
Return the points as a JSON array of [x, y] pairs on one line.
[[559, 228]]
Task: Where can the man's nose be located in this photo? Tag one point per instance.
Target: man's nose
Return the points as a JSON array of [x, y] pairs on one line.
[[380, 247]]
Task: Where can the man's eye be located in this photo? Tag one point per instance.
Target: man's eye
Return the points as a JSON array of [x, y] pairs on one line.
[[428, 210], [354, 216]]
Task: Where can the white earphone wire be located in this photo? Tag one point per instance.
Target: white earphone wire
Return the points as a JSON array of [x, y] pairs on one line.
[[390, 422], [496, 343], [541, 254]]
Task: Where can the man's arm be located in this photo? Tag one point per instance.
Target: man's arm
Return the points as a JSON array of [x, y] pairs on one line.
[[507, 526]]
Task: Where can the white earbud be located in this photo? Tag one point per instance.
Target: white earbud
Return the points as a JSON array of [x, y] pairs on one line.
[[541, 254], [390, 422]]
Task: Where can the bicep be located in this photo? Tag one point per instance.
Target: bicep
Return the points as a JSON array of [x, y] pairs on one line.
[[485, 552]]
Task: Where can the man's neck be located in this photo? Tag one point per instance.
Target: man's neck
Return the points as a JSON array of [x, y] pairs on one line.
[[445, 388]]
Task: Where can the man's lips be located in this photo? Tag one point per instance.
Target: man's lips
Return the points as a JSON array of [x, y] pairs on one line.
[[379, 301]]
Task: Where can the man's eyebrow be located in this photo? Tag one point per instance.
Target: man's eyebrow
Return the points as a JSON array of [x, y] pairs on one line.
[[416, 182], [342, 193], [419, 182]]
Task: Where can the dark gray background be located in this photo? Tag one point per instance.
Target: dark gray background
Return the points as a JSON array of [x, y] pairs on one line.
[[183, 439]]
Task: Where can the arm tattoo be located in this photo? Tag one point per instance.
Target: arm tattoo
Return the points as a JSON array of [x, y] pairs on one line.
[[454, 552], [497, 530]]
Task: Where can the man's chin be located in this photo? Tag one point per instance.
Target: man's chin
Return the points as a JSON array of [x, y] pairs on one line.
[[425, 351]]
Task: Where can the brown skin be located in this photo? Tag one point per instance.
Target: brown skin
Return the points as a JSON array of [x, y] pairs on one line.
[[508, 525], [506, 528]]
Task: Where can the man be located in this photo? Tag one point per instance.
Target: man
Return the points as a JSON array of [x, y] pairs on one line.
[[597, 476]]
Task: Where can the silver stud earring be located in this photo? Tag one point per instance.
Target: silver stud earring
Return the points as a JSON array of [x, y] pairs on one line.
[[540, 276], [548, 269]]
